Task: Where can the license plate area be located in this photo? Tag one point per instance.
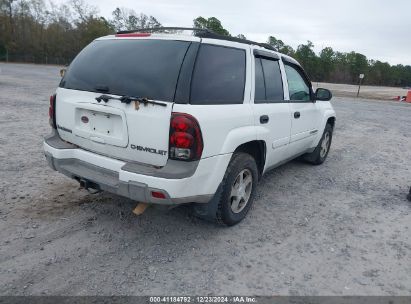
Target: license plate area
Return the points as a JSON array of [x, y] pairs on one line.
[[106, 127], [101, 123]]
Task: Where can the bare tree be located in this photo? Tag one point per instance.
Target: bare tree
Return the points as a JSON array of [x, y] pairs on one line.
[[128, 19], [82, 10]]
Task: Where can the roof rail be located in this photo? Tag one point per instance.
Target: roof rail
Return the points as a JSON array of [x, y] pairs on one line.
[[213, 35], [201, 33], [159, 29]]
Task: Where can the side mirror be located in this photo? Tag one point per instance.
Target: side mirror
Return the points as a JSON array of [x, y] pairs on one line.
[[323, 94], [62, 72]]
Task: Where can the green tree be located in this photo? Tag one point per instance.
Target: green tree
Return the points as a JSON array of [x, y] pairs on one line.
[[340, 72], [326, 63], [93, 28], [7, 23], [357, 64], [379, 73], [211, 23], [308, 59], [280, 46]]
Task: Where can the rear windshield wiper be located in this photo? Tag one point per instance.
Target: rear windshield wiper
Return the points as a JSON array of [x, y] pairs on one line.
[[128, 99]]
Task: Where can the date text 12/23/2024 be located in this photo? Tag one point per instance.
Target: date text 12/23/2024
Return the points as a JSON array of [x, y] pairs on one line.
[[203, 299]]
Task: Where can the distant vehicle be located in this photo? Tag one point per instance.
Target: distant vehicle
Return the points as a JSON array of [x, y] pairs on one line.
[[172, 119]]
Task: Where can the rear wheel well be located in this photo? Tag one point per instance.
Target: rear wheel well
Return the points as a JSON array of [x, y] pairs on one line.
[[331, 121], [257, 149]]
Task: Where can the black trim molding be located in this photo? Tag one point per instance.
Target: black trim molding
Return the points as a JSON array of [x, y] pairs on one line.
[[265, 54]]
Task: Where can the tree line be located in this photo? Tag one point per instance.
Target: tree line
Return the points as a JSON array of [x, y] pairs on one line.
[[40, 32]]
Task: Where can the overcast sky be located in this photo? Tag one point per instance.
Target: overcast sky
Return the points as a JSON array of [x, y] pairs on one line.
[[379, 29]]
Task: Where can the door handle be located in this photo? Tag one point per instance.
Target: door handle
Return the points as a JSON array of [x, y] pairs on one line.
[[264, 119], [297, 115]]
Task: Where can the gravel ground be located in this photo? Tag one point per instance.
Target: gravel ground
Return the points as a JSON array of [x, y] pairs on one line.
[[375, 92], [342, 228]]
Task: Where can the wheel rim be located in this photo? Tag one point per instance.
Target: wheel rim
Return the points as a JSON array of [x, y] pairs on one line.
[[325, 145], [241, 191]]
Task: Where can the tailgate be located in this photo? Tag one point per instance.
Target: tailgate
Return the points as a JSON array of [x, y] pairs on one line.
[[114, 129]]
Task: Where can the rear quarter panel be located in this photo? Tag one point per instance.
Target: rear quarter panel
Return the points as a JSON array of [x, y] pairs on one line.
[[223, 127]]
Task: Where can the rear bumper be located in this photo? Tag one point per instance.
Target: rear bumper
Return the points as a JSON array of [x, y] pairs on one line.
[[184, 184]]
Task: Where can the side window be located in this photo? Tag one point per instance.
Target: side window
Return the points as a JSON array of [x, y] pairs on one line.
[[273, 81], [268, 82], [259, 82], [219, 76], [297, 86]]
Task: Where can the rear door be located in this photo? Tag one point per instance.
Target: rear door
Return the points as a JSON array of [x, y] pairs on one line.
[[271, 111], [305, 114], [220, 95], [147, 68]]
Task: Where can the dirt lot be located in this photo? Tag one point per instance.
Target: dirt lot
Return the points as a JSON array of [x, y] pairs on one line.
[[348, 90], [343, 228]]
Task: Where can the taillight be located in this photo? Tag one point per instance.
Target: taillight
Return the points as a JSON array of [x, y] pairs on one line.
[[186, 142], [52, 111]]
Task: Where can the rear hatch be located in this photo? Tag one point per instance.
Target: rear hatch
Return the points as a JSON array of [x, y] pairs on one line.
[[142, 68]]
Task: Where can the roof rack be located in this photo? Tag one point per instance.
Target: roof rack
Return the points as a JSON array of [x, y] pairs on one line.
[[213, 35], [201, 33], [160, 29]]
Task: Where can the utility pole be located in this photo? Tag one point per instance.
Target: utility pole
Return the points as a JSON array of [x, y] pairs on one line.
[[359, 83], [7, 55]]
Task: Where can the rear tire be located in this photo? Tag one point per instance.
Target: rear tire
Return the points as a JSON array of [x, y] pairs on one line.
[[235, 195], [318, 156]]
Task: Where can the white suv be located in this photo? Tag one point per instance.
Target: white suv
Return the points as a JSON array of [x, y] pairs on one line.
[[167, 118]]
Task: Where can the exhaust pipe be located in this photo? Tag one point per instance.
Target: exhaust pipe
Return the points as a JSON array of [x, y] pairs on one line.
[[85, 184]]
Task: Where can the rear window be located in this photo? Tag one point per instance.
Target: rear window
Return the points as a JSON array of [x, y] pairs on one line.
[[219, 76], [139, 68]]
